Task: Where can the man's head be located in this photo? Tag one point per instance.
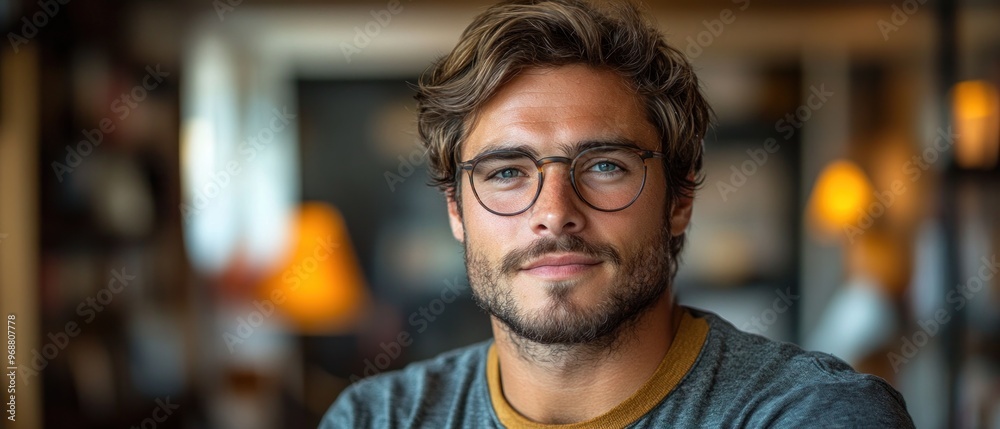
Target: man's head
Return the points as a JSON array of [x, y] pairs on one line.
[[552, 79]]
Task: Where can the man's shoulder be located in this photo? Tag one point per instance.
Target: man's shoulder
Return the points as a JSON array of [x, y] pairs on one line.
[[412, 392], [742, 349], [788, 385], [775, 360]]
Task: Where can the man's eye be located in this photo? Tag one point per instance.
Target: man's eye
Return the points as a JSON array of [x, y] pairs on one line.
[[506, 173], [605, 167]]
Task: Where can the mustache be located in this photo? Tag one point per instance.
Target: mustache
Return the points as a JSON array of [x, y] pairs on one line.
[[514, 260]]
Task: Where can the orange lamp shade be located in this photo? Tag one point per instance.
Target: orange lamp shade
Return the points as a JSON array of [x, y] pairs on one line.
[[840, 196], [320, 287], [976, 112]]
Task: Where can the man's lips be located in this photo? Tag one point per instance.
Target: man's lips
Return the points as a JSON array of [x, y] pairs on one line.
[[561, 260], [560, 265]]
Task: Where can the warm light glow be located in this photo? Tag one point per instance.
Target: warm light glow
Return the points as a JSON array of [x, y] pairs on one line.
[[321, 284], [840, 196], [977, 123]]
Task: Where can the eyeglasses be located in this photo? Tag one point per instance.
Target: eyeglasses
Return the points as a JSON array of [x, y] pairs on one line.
[[607, 178]]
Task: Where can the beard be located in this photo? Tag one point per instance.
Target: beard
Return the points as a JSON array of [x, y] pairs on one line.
[[642, 276]]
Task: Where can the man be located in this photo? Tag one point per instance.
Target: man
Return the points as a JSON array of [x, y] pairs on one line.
[[567, 141]]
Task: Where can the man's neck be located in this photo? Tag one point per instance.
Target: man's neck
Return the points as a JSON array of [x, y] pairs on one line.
[[568, 384]]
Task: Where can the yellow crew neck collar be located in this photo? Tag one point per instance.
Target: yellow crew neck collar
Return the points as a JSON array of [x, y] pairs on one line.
[[676, 363]]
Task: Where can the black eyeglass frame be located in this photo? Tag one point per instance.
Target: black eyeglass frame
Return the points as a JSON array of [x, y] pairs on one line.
[[470, 166]]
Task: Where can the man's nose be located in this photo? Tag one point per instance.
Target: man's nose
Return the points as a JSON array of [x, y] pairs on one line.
[[557, 210]]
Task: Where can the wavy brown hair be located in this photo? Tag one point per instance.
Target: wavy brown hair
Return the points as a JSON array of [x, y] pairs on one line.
[[516, 35]]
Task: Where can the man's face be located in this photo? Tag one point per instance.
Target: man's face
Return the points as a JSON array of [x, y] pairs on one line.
[[562, 272]]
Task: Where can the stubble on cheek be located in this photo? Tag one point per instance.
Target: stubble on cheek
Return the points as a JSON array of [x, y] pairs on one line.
[[639, 279]]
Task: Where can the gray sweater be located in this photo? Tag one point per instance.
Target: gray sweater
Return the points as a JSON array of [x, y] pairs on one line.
[[736, 380]]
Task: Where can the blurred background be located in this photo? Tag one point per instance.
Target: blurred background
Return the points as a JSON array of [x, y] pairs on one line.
[[214, 213]]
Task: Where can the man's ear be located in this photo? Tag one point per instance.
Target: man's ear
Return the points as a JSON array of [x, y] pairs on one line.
[[455, 218], [680, 215]]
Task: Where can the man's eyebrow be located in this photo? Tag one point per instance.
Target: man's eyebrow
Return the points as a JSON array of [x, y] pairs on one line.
[[581, 146], [500, 146], [567, 149]]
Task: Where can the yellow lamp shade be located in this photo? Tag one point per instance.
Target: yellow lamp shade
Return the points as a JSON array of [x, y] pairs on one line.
[[977, 124], [320, 287], [841, 194]]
